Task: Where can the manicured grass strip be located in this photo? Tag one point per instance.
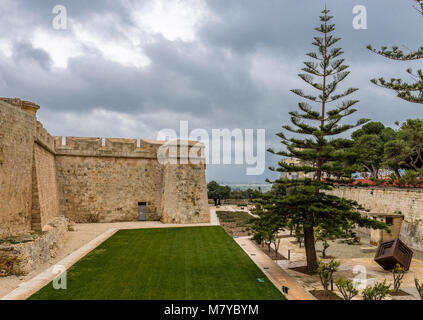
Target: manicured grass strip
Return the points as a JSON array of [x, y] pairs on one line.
[[198, 263]]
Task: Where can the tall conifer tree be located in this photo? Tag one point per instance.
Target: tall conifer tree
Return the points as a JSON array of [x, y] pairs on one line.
[[307, 205], [408, 91]]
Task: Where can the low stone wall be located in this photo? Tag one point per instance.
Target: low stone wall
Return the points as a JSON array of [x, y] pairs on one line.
[[408, 202], [235, 202], [21, 256]]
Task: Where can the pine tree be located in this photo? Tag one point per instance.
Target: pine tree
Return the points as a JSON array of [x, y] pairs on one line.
[[307, 205], [411, 92]]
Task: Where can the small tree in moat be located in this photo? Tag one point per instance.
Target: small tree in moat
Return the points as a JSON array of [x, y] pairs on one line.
[[265, 230], [326, 271], [419, 288], [306, 204], [324, 235], [347, 289], [377, 292], [398, 273], [411, 92]]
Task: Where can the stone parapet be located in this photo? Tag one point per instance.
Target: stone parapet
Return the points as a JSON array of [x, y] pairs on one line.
[[27, 106], [44, 139], [125, 148]]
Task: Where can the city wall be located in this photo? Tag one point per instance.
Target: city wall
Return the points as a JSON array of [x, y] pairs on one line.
[[17, 128], [90, 179], [408, 202]]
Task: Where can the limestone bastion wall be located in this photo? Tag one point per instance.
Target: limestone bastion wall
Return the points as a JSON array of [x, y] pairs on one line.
[[29, 197], [17, 129], [104, 181], [408, 202], [90, 179]]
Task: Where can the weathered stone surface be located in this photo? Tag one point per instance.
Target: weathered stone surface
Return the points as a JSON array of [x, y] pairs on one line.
[[21, 255], [17, 129], [408, 202], [96, 189], [184, 191], [46, 186], [91, 180]]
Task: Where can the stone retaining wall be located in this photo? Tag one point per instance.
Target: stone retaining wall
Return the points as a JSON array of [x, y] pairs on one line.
[[408, 202], [16, 160], [19, 256]]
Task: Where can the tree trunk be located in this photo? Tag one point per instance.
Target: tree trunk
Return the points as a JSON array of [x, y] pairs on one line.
[[325, 247], [375, 172], [319, 170], [310, 250], [277, 244]]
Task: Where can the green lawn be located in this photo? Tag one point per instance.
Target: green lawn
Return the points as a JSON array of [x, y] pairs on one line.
[[198, 263]]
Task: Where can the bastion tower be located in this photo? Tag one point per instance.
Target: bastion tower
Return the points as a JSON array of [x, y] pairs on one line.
[[93, 179]]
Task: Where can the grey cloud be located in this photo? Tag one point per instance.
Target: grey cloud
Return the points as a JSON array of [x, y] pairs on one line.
[[237, 74], [287, 26], [24, 51]]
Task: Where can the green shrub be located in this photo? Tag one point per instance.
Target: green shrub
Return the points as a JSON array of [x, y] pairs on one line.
[[419, 288], [398, 273], [378, 292], [325, 271], [346, 287]]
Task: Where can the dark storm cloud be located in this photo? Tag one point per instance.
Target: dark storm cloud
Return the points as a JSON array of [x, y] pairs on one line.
[[237, 72], [173, 81], [80, 9], [288, 25]]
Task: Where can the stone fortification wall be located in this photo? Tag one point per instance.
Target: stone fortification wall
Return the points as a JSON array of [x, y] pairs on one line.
[[45, 206], [86, 180], [185, 191], [16, 159], [408, 202], [104, 181], [92, 179]]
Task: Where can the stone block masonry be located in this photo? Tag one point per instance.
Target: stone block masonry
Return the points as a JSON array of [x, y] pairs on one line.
[[97, 189], [17, 129], [20, 256], [408, 202], [89, 179]]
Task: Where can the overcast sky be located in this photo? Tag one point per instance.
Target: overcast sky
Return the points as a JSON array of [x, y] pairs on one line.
[[126, 68]]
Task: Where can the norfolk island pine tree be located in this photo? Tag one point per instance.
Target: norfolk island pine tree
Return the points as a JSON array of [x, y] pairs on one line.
[[307, 205], [411, 92]]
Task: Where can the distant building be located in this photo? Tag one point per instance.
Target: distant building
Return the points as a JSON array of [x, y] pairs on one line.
[[299, 175]]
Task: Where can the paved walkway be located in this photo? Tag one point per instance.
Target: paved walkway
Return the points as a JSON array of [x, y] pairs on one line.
[[214, 220], [233, 208], [275, 273], [353, 264]]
